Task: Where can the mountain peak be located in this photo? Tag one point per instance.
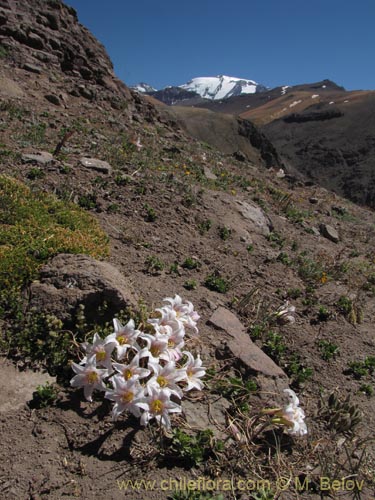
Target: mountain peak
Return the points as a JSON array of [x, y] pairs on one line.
[[222, 86]]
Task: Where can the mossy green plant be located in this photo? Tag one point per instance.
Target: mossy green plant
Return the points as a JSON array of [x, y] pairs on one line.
[[36, 226]]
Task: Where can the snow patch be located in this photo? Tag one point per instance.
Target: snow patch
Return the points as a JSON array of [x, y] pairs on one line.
[[314, 96], [294, 103]]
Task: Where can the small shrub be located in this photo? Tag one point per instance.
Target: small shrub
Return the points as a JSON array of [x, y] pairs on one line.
[[191, 263], [328, 349], [35, 173], [45, 395], [154, 265], [204, 226], [216, 283], [190, 284], [224, 233]]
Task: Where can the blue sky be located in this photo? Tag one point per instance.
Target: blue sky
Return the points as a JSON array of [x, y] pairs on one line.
[[274, 42]]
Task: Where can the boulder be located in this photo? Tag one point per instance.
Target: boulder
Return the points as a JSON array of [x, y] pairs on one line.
[[242, 347], [41, 158], [329, 232], [259, 221], [95, 164], [70, 280]]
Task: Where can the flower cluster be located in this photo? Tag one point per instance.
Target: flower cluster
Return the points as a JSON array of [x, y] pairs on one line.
[[143, 373], [292, 417]]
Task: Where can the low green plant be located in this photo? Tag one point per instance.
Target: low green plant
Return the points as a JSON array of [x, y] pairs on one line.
[[204, 226], [87, 201], [367, 389], [323, 314], [284, 258], [276, 239], [190, 284], [45, 395], [191, 263], [194, 449], [154, 265], [225, 232], [35, 173], [294, 293], [150, 213], [363, 368], [274, 346], [296, 369], [328, 350], [217, 283]]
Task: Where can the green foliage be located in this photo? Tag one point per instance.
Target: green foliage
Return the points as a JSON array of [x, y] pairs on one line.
[[308, 269], [328, 349], [237, 390], [194, 449], [35, 227], [190, 284], [276, 239], [323, 314], [363, 368], [225, 232], [216, 283], [87, 201], [35, 173], [345, 305], [274, 346], [3, 52], [284, 258], [154, 265], [150, 213], [45, 395], [204, 226], [191, 263], [297, 371], [342, 416], [294, 293], [367, 389]]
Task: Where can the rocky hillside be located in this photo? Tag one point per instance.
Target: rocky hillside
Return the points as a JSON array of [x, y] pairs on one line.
[[107, 206]]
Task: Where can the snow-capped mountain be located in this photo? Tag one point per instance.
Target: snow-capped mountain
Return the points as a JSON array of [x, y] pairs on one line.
[[222, 86], [210, 88], [144, 88]]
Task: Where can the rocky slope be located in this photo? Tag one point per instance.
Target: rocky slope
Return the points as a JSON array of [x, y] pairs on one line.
[[234, 237]]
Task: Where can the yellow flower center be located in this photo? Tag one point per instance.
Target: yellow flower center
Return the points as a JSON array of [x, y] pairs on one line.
[[101, 355], [155, 351], [171, 343], [127, 374], [162, 381], [189, 372], [122, 340], [156, 406], [127, 397], [92, 377]]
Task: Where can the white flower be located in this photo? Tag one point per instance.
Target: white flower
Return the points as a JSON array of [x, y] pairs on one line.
[[166, 377], [126, 394], [158, 405], [184, 312], [294, 415], [157, 347], [132, 369], [89, 377], [193, 371], [101, 350], [285, 313], [124, 337], [175, 340]]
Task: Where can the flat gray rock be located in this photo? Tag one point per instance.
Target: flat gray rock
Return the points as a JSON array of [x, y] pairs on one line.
[[241, 345], [255, 215], [95, 164], [329, 232], [42, 158]]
